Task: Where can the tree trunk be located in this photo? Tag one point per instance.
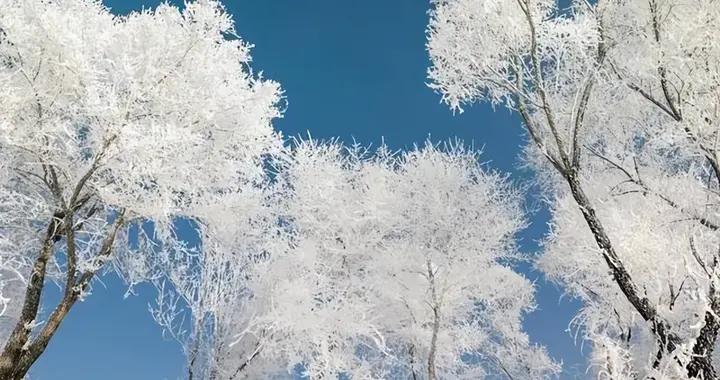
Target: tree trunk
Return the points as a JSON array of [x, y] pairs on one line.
[[701, 364], [20, 351], [432, 371], [16, 344]]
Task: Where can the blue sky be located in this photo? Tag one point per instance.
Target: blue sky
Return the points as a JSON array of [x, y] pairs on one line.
[[350, 69]]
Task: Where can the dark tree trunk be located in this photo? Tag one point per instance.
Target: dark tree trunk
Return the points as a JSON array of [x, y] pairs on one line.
[[14, 349], [701, 364], [22, 350]]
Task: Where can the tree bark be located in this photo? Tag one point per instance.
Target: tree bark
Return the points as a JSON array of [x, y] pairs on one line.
[[700, 365]]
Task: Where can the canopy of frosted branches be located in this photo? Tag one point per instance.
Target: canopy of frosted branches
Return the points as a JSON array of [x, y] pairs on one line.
[[108, 120], [620, 100], [388, 262]]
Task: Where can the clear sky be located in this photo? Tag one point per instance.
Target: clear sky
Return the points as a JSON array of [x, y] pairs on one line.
[[350, 69]]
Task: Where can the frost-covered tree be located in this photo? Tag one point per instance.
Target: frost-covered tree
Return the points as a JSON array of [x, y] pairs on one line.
[[204, 297], [620, 100], [385, 266], [112, 128]]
